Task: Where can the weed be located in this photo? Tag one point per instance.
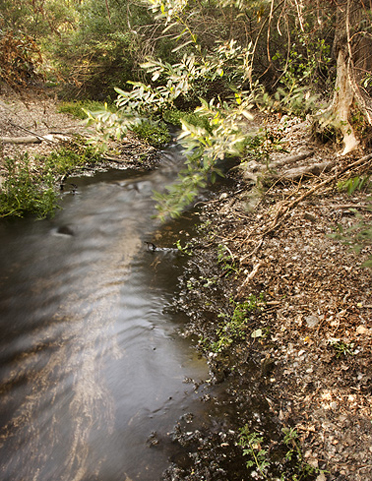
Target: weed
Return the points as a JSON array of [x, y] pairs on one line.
[[186, 249], [251, 442], [66, 160], [154, 133], [175, 117], [294, 468], [303, 470], [236, 327], [354, 183], [225, 259], [342, 348], [25, 192]]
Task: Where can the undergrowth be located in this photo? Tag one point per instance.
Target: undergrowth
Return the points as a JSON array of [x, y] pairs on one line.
[[30, 191], [23, 192], [291, 465]]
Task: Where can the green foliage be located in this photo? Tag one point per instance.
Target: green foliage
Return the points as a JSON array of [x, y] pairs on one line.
[[175, 117], [259, 463], [154, 133], [25, 192], [99, 50], [359, 183], [342, 348], [297, 100], [235, 328], [225, 259], [79, 108], [251, 442], [302, 470], [186, 249], [66, 160], [203, 148], [306, 61]]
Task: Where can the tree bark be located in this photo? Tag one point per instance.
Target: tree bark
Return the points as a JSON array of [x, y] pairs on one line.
[[350, 47]]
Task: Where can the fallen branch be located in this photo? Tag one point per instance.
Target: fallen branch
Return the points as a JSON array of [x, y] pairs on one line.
[[298, 172], [291, 159], [251, 275], [21, 140], [352, 206], [283, 209], [41, 137]]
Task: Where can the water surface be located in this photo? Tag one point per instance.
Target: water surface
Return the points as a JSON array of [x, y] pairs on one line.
[[92, 370]]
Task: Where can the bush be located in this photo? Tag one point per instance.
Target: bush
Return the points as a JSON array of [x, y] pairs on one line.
[[24, 192], [19, 58], [154, 133]]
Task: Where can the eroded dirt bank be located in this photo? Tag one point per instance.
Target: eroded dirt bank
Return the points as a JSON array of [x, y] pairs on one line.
[[307, 347]]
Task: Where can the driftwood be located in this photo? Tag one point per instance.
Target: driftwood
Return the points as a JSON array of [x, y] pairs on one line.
[[291, 159], [255, 170], [298, 172], [21, 140], [34, 139]]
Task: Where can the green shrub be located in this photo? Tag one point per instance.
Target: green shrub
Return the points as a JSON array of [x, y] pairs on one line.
[[25, 192], [154, 133], [65, 160]]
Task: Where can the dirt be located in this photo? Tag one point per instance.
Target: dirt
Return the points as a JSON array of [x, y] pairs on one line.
[[309, 366], [34, 115], [311, 360]]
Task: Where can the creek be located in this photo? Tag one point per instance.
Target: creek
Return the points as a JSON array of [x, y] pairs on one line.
[[92, 371]]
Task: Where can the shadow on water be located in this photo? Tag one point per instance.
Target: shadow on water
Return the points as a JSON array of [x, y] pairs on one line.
[[92, 371]]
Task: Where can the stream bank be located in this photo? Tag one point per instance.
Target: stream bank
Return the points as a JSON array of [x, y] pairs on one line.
[[306, 347]]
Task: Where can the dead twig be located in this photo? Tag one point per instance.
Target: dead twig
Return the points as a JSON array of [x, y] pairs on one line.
[[284, 209]]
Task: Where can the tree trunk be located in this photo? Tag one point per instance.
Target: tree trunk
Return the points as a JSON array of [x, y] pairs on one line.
[[350, 47], [342, 101]]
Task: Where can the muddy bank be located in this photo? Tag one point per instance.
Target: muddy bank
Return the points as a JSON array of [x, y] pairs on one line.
[[301, 359]]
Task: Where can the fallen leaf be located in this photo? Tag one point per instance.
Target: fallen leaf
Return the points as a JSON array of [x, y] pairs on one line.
[[361, 330]]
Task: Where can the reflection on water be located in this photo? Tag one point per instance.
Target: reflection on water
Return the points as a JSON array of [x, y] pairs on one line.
[[92, 372]]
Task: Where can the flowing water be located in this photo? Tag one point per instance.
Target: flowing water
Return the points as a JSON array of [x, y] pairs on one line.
[[92, 371]]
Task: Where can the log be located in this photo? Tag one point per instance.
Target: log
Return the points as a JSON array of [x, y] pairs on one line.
[[21, 140]]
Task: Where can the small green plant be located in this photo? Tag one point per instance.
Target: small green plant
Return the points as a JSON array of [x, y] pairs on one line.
[[79, 108], [342, 348], [154, 133], [67, 159], [354, 183], [27, 191], [175, 117], [186, 249], [251, 442], [303, 470], [294, 467], [225, 259], [235, 327]]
